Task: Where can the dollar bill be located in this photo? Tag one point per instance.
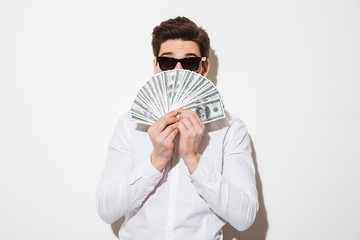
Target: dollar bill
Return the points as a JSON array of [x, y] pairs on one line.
[[209, 111], [174, 89]]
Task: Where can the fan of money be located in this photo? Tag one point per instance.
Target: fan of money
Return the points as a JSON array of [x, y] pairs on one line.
[[175, 89]]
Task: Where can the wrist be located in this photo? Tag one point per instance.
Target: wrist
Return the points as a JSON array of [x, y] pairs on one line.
[[192, 162], [158, 162]]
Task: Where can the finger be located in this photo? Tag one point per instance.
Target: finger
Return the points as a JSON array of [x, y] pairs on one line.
[[168, 130], [164, 121], [182, 128], [183, 113], [192, 117], [183, 110], [195, 119], [171, 114], [172, 135], [187, 123]]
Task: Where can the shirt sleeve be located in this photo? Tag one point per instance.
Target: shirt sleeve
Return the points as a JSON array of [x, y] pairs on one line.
[[123, 188], [231, 194]]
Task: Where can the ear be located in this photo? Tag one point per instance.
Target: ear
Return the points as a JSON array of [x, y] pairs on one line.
[[205, 68], [154, 62]]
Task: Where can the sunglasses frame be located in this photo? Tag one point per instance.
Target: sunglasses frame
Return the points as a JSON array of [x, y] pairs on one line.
[[181, 60]]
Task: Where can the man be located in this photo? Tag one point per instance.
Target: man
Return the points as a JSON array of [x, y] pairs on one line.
[[179, 178]]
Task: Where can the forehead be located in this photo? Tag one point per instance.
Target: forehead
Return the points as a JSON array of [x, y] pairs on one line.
[[180, 48]]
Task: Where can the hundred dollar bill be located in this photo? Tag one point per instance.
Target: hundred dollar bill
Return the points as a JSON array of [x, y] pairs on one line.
[[146, 94], [209, 98], [174, 89], [209, 111], [143, 112]]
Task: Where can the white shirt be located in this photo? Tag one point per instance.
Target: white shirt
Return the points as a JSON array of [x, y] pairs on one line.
[[175, 204]]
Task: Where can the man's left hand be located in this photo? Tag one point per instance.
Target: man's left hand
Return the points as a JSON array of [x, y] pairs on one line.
[[191, 130]]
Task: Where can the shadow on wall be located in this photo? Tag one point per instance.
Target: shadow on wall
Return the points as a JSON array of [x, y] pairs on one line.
[[214, 65], [116, 226], [259, 229]]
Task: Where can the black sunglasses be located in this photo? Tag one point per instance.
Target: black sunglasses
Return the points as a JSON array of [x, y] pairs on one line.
[[190, 63]]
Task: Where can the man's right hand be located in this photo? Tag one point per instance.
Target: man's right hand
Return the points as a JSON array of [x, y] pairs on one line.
[[162, 135]]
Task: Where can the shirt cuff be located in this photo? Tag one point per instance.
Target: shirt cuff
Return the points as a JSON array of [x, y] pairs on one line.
[[204, 175], [151, 174]]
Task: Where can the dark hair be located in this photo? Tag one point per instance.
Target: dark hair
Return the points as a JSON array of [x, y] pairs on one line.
[[180, 28]]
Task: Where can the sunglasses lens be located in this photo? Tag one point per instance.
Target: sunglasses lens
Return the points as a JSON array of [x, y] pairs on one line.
[[191, 63], [166, 63]]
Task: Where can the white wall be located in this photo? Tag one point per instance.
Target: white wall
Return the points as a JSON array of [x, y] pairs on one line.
[[289, 69]]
